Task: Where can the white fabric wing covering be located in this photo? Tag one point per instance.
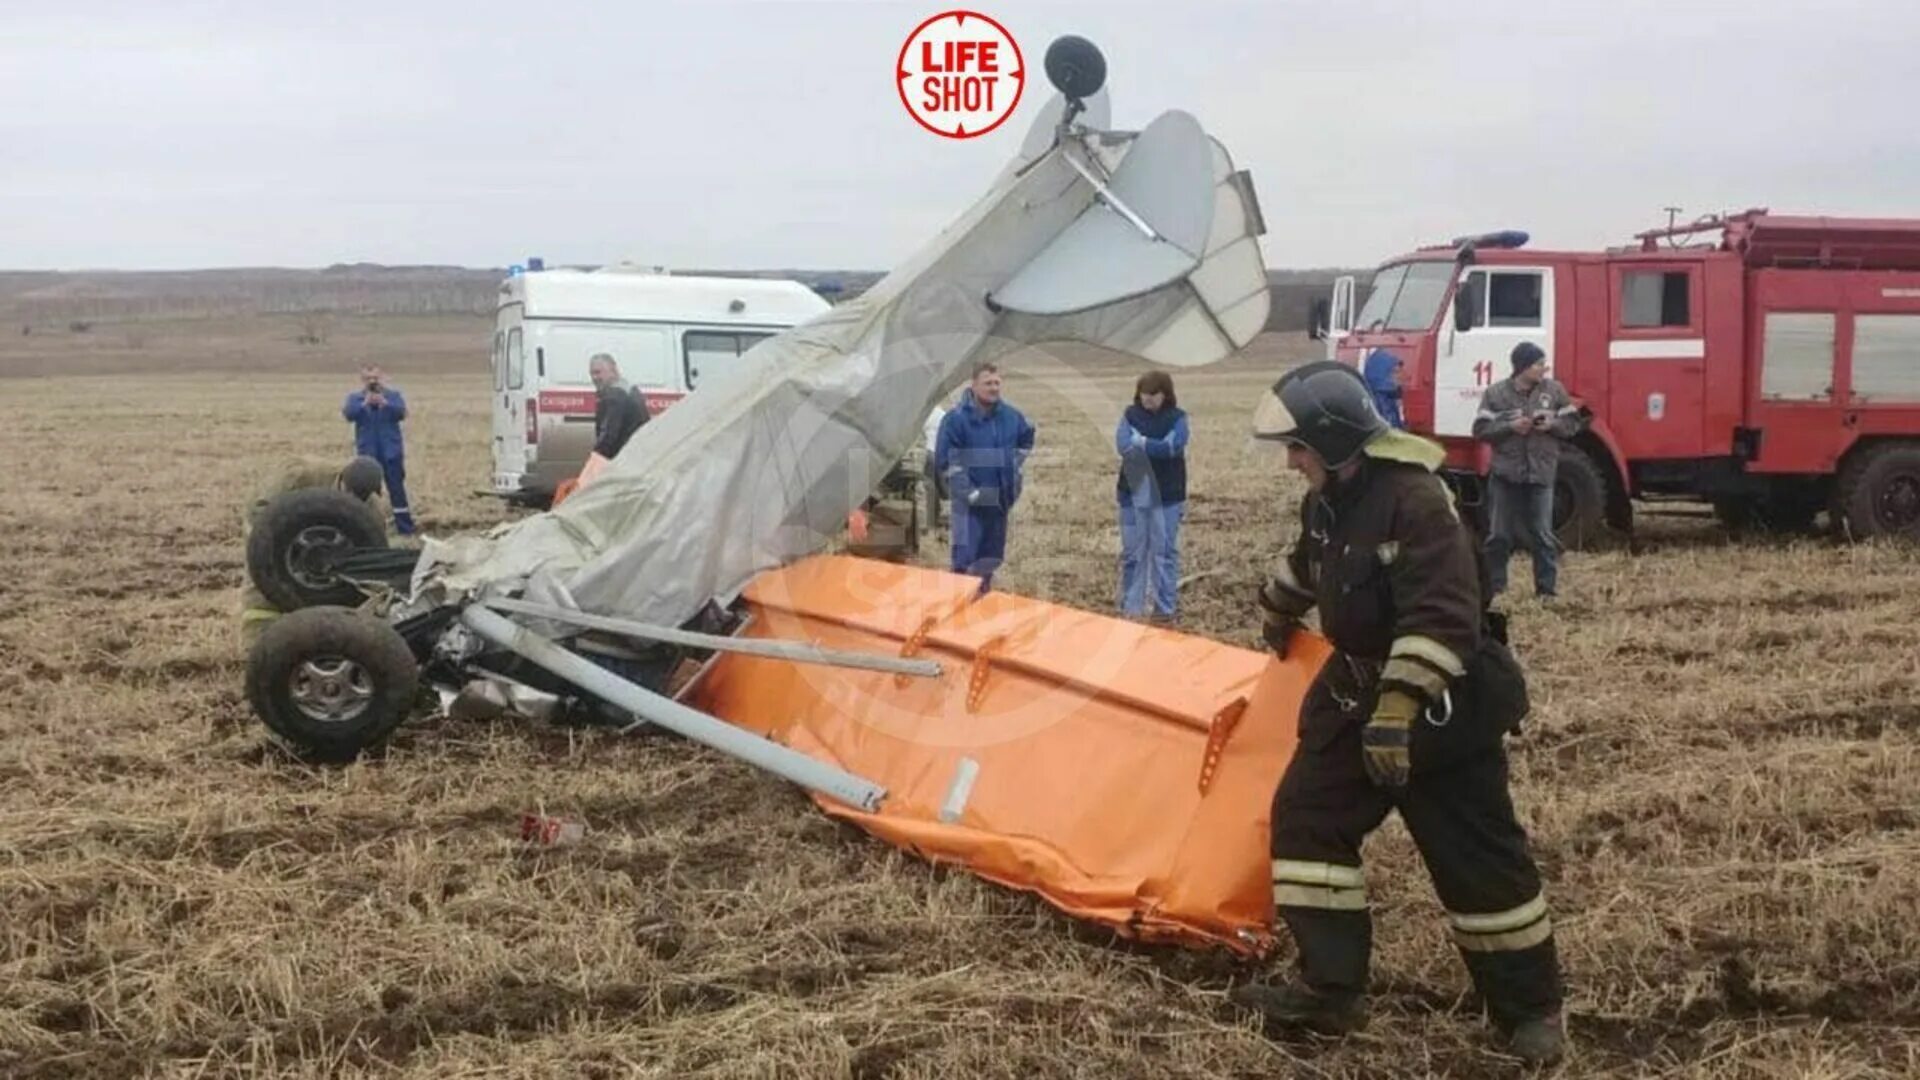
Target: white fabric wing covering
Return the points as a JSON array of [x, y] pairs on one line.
[[762, 468]]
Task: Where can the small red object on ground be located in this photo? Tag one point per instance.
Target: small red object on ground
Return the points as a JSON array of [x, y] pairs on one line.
[[550, 831]]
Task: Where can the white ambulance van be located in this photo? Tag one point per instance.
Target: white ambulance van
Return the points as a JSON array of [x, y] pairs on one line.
[[668, 333]]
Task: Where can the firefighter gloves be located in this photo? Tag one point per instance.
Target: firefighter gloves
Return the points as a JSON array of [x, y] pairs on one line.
[[1386, 738], [1282, 604], [1277, 631]]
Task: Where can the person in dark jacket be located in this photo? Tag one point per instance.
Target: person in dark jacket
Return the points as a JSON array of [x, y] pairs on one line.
[[618, 409], [1151, 439], [1383, 372], [982, 447], [1408, 713], [1526, 418], [376, 411]]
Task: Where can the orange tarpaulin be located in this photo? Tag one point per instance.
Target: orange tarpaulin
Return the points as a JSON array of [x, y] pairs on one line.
[[1122, 772]]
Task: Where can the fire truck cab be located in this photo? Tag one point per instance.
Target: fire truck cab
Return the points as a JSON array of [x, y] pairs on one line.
[[1772, 368]]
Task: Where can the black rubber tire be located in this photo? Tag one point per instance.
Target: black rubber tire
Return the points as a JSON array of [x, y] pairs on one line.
[[1879, 493], [289, 565], [296, 669], [1579, 500]]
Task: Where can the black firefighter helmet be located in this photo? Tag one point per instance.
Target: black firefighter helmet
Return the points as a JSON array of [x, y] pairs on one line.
[[1323, 406]]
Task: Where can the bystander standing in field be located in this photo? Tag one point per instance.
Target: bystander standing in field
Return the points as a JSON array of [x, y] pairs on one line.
[[982, 447], [1385, 373], [1525, 418], [1152, 442], [376, 411]]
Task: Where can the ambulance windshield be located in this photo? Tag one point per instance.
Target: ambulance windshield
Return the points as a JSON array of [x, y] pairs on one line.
[[1405, 297]]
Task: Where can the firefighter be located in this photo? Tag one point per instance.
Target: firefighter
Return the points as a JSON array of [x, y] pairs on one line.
[[1409, 713], [360, 478]]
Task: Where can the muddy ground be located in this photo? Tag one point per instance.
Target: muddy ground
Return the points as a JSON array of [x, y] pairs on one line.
[[1720, 779]]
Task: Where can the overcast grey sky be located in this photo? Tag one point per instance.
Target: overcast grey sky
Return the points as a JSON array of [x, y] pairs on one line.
[[173, 134]]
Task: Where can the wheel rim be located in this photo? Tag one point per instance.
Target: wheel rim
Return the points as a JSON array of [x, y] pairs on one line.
[[312, 554], [330, 689], [1899, 502]]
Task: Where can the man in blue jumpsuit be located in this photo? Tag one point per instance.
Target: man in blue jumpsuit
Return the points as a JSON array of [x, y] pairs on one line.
[[376, 410], [983, 443]]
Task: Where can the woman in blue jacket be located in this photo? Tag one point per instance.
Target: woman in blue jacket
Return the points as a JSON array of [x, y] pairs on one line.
[[1152, 443]]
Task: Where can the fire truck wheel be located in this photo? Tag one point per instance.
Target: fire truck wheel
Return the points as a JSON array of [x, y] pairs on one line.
[[331, 682], [1879, 492], [1579, 500], [301, 534]]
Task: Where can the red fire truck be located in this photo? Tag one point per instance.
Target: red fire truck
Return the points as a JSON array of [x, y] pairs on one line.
[[1764, 363]]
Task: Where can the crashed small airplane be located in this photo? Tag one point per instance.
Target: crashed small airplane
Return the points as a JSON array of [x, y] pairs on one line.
[[1121, 772]]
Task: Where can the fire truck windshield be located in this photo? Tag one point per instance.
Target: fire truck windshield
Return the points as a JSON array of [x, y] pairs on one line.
[[1405, 297]]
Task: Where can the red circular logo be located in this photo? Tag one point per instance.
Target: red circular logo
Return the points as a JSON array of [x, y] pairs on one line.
[[960, 74]]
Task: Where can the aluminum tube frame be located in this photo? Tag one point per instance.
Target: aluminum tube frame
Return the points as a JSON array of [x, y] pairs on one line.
[[796, 651], [762, 753]]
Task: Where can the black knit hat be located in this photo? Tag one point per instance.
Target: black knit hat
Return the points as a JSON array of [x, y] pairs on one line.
[[1525, 355]]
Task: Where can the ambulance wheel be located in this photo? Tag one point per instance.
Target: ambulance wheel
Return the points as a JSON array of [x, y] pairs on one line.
[[1579, 500], [331, 682], [1879, 493], [299, 538]]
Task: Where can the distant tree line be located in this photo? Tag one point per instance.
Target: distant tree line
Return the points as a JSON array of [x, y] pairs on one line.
[[366, 290]]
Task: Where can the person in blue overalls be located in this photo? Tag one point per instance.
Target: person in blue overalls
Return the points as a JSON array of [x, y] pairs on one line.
[[376, 410], [982, 445]]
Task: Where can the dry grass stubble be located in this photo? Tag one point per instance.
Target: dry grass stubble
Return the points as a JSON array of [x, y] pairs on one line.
[[1719, 780]]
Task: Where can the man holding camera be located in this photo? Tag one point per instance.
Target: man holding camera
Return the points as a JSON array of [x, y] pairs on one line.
[[1525, 418], [376, 410]]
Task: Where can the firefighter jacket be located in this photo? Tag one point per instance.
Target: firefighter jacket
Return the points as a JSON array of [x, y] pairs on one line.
[[1400, 584], [1531, 458]]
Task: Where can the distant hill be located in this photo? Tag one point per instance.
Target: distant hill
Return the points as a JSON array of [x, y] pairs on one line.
[[108, 296]]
